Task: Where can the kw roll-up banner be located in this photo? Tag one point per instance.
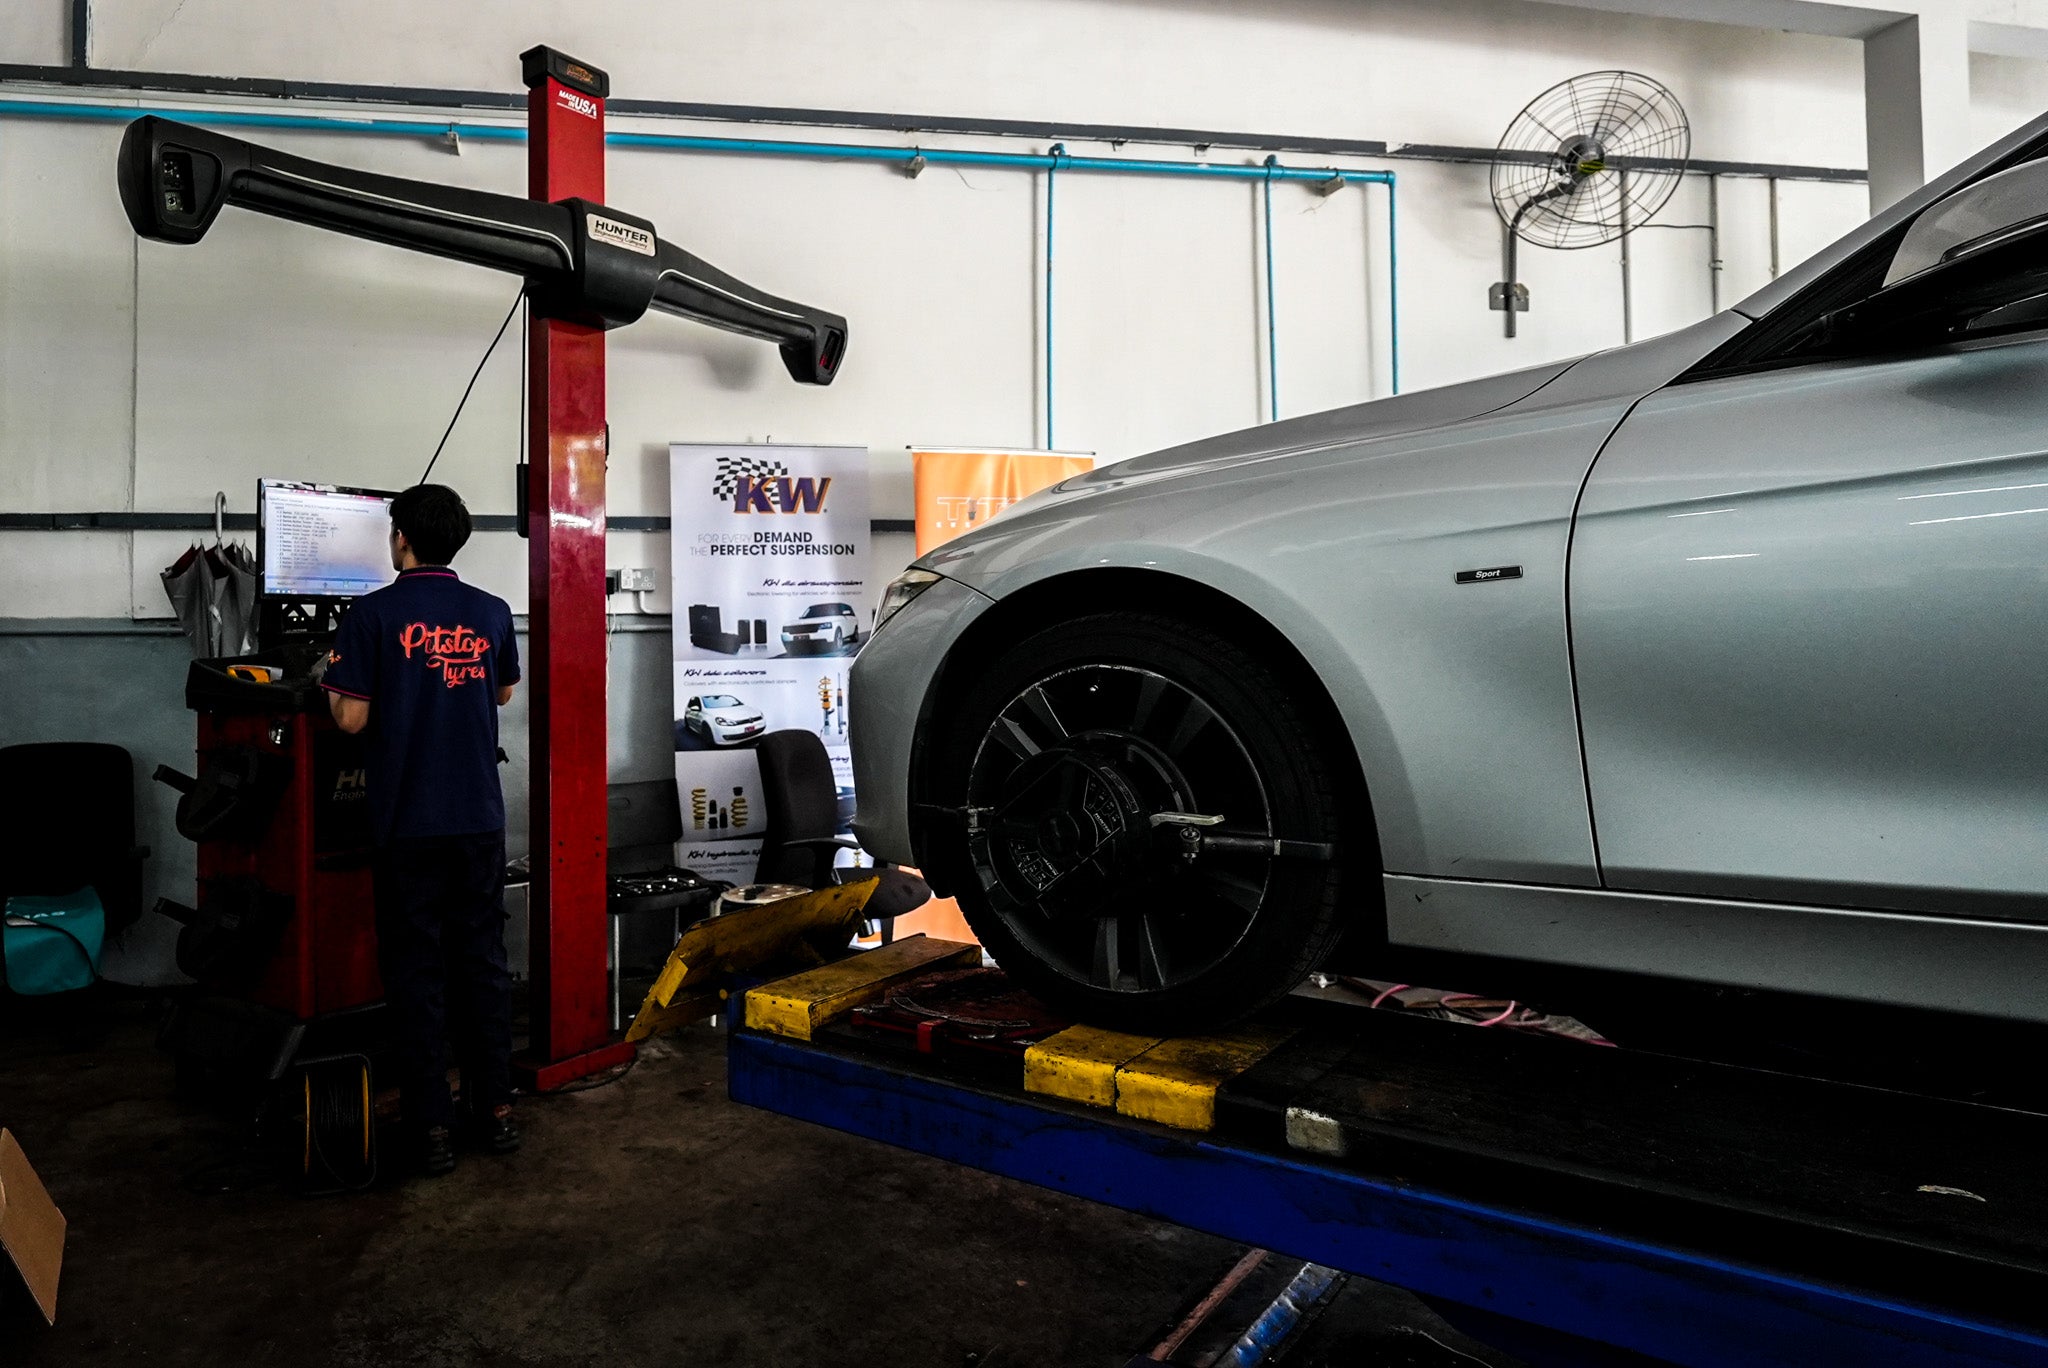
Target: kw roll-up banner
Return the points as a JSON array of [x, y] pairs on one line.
[[769, 551], [956, 490]]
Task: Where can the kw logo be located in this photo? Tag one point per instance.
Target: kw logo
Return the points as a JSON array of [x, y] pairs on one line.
[[780, 494], [578, 104]]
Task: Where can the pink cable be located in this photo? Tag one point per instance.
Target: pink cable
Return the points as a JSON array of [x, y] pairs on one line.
[[1513, 1007], [1397, 988]]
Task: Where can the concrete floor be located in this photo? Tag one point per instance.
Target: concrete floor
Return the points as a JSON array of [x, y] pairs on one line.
[[648, 1222]]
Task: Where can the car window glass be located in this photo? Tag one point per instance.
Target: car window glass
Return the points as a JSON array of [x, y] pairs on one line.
[[1785, 336]]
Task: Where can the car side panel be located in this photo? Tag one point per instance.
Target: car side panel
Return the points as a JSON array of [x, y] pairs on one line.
[[1947, 964], [1811, 618], [1458, 696]]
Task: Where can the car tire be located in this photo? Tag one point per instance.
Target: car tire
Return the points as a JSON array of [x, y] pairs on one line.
[[1178, 945]]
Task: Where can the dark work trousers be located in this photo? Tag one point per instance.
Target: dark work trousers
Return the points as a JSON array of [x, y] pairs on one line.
[[441, 950]]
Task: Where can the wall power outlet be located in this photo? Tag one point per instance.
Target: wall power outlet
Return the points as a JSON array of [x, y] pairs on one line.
[[635, 581]]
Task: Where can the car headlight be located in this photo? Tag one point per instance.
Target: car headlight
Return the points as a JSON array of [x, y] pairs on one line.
[[901, 591], [723, 721]]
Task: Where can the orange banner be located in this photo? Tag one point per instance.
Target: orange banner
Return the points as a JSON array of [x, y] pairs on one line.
[[957, 491]]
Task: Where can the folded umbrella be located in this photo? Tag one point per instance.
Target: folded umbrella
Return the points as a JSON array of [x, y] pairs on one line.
[[239, 584], [185, 584]]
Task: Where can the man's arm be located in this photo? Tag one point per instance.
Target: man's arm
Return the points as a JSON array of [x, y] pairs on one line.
[[349, 673], [350, 714], [508, 654]]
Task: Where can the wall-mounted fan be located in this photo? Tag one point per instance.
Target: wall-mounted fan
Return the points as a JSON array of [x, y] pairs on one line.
[[1588, 161]]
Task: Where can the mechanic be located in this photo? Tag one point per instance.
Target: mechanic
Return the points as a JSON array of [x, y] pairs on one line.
[[421, 668]]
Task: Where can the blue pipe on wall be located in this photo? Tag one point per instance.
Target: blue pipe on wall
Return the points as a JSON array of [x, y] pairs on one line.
[[1059, 150], [1393, 293], [1272, 305], [1051, 163]]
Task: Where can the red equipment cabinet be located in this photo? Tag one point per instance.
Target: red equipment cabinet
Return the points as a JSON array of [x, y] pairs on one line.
[[312, 850]]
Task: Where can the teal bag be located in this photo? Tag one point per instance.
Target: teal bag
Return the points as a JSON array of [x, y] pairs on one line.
[[52, 944]]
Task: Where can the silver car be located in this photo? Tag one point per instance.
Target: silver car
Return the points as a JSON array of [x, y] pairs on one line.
[[1722, 657]]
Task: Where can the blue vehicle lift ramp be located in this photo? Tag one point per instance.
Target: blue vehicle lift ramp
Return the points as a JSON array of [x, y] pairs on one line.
[[1695, 1213]]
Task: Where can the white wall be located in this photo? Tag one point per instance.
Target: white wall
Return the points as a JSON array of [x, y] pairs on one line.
[[148, 376], [2005, 92], [1335, 68]]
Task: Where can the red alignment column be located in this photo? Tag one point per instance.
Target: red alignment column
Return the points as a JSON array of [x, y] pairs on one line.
[[565, 440]]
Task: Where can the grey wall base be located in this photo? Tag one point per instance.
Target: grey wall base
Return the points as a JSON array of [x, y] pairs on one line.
[[123, 682]]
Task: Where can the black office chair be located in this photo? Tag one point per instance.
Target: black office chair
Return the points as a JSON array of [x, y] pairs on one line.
[[802, 836], [71, 823]]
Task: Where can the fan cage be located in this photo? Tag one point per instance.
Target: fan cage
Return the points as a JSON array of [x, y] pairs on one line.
[[1590, 159]]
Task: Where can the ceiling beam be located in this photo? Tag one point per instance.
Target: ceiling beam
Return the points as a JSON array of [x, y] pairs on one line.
[[1830, 18], [2006, 28]]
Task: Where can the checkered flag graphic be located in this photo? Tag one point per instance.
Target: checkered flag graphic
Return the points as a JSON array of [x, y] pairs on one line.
[[730, 468]]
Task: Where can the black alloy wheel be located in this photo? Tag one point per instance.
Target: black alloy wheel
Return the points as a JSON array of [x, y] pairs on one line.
[[1147, 833]]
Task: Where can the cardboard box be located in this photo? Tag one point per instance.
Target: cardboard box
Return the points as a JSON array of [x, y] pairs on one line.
[[31, 1227]]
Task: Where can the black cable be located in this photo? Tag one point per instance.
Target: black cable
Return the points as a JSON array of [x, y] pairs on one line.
[[599, 1080], [488, 351]]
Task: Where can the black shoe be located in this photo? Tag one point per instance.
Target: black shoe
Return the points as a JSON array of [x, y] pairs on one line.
[[496, 1131], [437, 1152]]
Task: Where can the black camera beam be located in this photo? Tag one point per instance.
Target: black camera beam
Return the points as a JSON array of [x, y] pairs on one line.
[[584, 262]]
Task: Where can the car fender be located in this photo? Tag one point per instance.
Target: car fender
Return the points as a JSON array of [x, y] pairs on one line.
[[1273, 601], [1420, 574]]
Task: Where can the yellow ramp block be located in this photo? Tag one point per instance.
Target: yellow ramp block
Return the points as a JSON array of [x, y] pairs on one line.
[[1174, 1083], [653, 1019], [798, 1005], [1079, 1064], [757, 935]]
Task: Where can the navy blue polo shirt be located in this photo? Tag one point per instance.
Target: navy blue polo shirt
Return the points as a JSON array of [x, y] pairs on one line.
[[429, 653]]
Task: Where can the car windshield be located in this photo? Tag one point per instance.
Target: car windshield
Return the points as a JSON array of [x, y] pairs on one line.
[[825, 610], [722, 701]]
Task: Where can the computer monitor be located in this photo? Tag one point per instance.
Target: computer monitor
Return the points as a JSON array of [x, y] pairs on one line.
[[319, 541]]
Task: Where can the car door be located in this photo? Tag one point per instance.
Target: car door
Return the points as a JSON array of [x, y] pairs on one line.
[[1809, 620]]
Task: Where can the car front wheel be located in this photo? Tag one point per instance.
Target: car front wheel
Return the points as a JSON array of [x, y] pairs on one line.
[[1144, 824]]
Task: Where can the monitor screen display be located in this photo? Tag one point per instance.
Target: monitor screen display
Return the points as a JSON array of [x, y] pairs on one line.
[[323, 541]]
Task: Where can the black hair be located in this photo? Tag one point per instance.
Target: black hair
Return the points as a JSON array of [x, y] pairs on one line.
[[434, 520]]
